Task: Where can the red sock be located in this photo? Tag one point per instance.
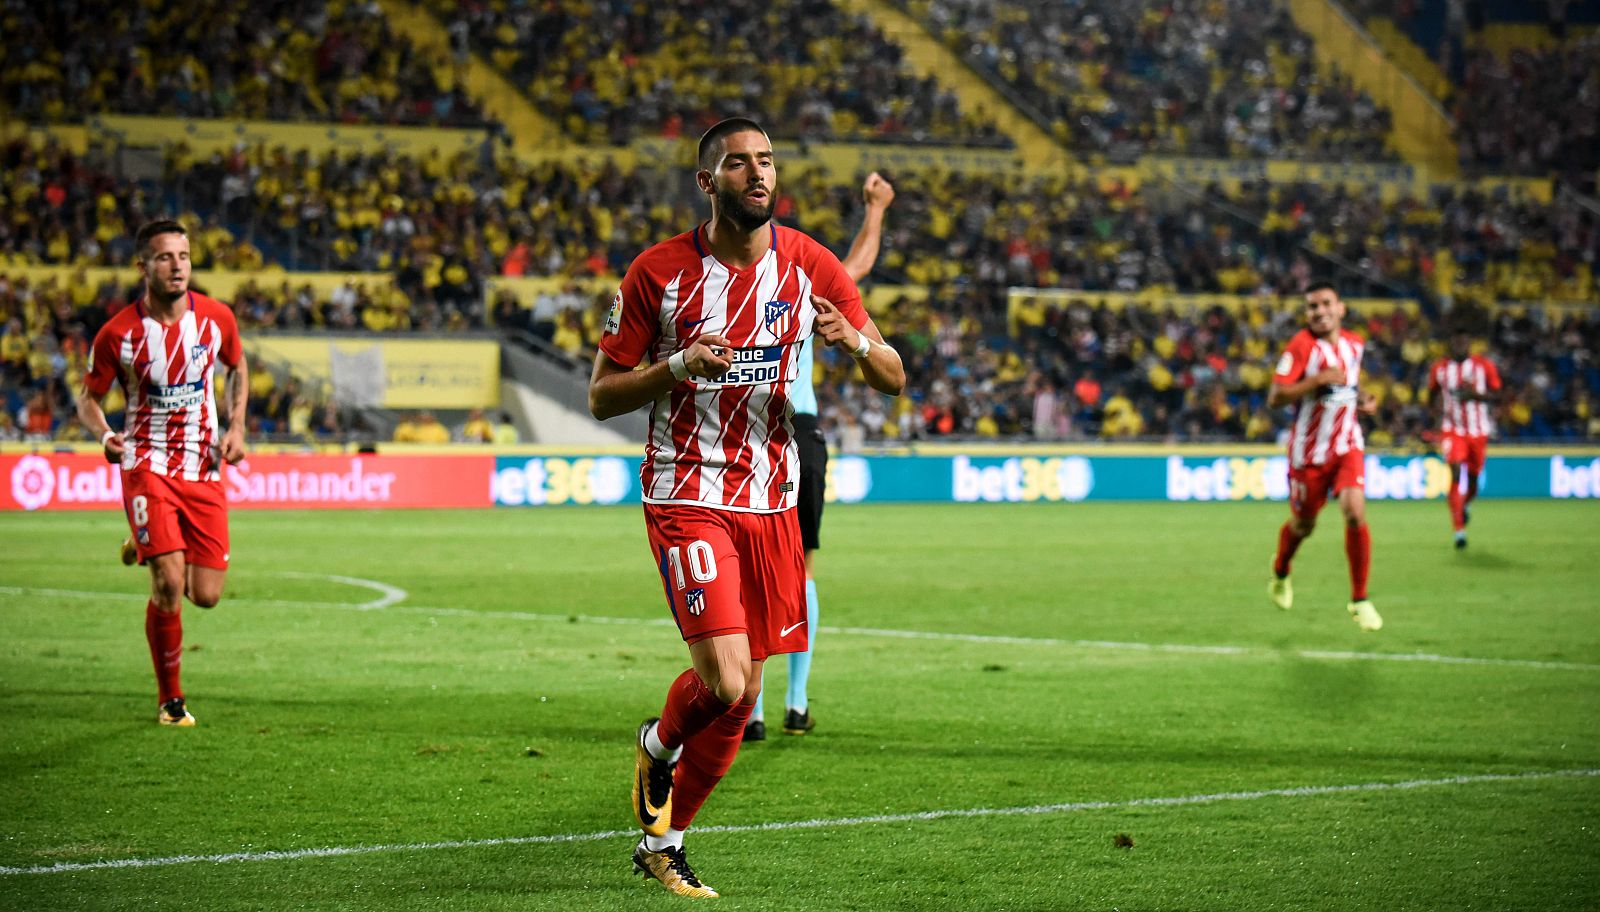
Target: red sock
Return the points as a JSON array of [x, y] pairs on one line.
[[1457, 502], [691, 706], [1358, 548], [165, 635], [706, 758], [1472, 488], [1288, 544]]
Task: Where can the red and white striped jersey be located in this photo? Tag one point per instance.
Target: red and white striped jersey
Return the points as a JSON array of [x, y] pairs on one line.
[[1448, 377], [1325, 422], [170, 427], [725, 443]]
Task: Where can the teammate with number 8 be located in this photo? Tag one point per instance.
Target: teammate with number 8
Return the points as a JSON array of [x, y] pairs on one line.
[[164, 349], [707, 328]]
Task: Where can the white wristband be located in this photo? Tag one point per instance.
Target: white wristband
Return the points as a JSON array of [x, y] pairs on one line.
[[864, 349], [106, 437], [679, 365]]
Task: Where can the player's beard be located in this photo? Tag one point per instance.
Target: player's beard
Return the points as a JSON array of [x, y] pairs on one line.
[[161, 291], [745, 215]]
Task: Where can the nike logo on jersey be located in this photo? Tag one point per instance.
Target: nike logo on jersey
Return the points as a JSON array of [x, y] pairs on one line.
[[693, 324], [790, 629]]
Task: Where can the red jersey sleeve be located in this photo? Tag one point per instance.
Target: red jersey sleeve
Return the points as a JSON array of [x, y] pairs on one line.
[[836, 285], [632, 323], [103, 362], [829, 280], [1434, 384], [232, 346], [1491, 374], [1292, 363]]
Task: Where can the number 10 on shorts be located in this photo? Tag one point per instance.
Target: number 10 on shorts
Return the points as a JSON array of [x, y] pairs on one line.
[[702, 564]]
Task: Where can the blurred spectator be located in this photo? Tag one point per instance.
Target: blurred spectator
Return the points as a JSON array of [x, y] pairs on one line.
[[476, 429], [37, 418], [422, 427], [505, 430]]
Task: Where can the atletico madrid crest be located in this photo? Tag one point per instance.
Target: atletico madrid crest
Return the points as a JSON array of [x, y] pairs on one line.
[[774, 312]]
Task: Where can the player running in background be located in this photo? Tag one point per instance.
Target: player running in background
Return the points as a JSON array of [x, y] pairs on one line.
[[164, 349], [797, 720], [1319, 374], [1463, 386], [707, 327]]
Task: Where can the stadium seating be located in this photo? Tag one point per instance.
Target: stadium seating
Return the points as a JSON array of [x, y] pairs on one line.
[[1200, 79], [1518, 78], [1535, 112], [428, 223], [438, 228], [1089, 371], [282, 60], [614, 70]]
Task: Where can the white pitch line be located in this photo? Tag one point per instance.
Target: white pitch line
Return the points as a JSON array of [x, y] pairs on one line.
[[1167, 648], [1307, 791], [389, 595]]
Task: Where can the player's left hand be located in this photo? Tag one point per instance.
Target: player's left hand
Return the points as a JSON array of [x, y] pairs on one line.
[[877, 191], [1366, 403], [832, 327], [114, 447], [232, 447]]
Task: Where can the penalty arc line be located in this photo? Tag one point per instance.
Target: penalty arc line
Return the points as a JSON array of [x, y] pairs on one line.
[[392, 594], [389, 595], [1309, 791]]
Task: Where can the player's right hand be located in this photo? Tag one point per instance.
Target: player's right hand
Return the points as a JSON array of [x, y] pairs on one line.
[[708, 356], [1330, 376], [114, 447]]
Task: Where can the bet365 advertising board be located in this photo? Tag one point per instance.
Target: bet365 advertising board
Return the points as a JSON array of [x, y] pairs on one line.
[[80, 481]]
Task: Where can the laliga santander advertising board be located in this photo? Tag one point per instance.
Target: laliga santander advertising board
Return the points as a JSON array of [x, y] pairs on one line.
[[273, 481]]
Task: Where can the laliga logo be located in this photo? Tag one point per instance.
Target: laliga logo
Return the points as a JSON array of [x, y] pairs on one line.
[[32, 483]]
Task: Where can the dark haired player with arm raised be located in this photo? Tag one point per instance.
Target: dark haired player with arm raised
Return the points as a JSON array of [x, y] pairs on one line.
[[707, 329]]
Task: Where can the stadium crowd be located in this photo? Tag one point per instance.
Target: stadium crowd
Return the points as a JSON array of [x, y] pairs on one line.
[[45, 332], [1518, 108], [317, 60], [1536, 112], [443, 224], [1151, 77], [615, 70], [1123, 80], [1082, 370], [1153, 370]]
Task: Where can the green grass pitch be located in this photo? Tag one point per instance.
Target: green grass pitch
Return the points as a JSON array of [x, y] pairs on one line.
[[1053, 668]]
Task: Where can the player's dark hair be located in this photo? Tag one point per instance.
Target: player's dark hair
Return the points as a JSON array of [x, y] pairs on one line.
[[150, 230], [1320, 285], [710, 148]]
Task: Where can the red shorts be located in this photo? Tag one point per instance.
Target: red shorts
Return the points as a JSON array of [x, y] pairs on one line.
[[730, 572], [1310, 486], [170, 514], [1459, 449]]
